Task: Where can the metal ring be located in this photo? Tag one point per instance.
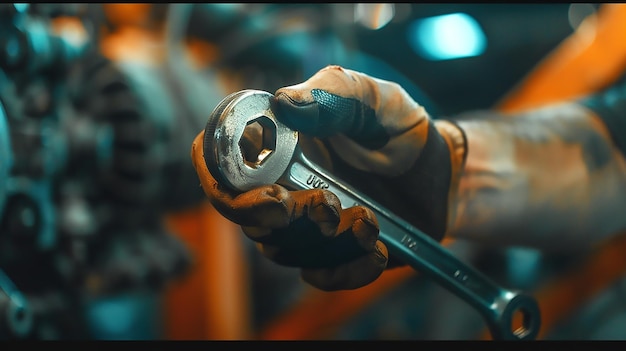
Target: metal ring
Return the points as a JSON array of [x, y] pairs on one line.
[[225, 127]]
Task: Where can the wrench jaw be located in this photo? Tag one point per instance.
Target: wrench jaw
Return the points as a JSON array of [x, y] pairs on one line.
[[223, 141], [515, 317]]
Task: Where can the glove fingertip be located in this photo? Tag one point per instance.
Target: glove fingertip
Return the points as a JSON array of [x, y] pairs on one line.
[[297, 114]]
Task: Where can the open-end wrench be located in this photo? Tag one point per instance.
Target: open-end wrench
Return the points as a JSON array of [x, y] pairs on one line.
[[282, 161]]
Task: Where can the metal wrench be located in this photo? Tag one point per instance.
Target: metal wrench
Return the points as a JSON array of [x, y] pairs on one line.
[[282, 161]]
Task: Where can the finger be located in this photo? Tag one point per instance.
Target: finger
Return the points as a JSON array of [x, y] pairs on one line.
[[351, 275], [309, 216], [338, 100], [302, 245], [271, 206]]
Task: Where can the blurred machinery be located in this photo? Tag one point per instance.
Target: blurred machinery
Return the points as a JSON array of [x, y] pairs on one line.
[[83, 171]]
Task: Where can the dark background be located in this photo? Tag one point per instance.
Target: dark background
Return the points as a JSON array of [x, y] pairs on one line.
[[518, 36]]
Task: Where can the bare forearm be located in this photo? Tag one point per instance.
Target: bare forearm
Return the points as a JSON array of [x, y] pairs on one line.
[[550, 178]]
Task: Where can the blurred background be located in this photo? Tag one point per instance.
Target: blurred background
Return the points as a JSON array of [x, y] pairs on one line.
[[105, 233]]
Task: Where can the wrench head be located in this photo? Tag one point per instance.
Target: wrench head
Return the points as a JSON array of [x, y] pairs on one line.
[[517, 317], [247, 113]]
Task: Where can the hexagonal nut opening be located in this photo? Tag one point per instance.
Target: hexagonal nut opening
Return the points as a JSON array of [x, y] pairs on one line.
[[258, 141]]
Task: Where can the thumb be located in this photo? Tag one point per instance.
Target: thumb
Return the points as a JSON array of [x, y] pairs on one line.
[[340, 101]]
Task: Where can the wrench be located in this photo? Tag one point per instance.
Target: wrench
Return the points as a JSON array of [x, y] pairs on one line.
[[282, 161]]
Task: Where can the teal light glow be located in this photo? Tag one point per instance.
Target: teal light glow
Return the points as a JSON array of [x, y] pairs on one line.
[[21, 7], [447, 37]]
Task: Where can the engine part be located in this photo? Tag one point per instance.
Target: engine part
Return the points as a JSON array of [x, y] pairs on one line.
[[80, 180]]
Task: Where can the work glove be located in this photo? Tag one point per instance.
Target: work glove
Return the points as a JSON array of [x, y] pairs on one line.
[[371, 134]]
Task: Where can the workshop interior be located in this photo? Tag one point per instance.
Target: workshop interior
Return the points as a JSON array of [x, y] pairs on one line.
[[106, 233]]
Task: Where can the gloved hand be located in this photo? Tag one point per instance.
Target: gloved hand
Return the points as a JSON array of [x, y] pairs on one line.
[[373, 135]]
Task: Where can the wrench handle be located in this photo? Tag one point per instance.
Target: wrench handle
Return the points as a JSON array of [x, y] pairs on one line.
[[497, 305]]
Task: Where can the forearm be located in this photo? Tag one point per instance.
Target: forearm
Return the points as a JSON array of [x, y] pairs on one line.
[[550, 178]]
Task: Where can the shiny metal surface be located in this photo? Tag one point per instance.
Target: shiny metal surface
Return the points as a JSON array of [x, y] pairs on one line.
[[223, 135]]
